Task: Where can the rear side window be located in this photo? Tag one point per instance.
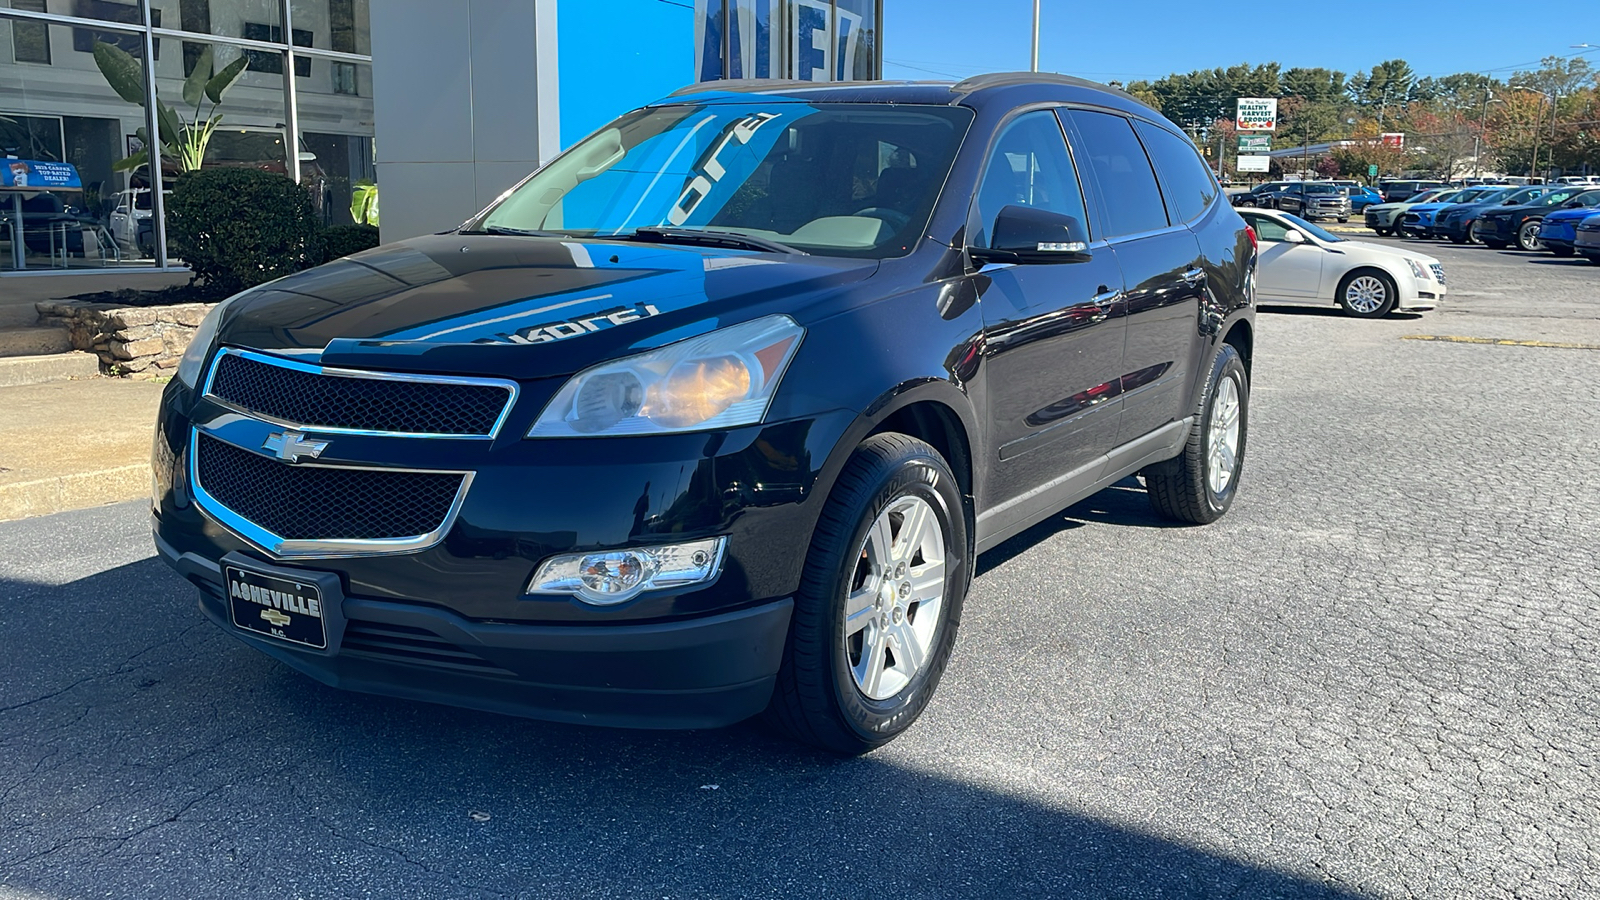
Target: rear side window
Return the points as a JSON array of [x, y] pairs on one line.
[[1130, 200], [1185, 180]]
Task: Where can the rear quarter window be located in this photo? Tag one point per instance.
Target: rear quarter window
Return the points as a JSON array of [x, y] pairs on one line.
[[1130, 200], [1186, 182]]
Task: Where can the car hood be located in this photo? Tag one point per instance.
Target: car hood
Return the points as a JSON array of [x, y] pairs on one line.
[[1385, 249], [1577, 215], [519, 307]]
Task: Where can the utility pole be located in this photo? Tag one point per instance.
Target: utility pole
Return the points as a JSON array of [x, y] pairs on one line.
[[1035, 67], [1477, 138]]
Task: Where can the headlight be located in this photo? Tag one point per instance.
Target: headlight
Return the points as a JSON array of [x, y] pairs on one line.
[[609, 577], [1417, 269], [195, 355], [718, 380]]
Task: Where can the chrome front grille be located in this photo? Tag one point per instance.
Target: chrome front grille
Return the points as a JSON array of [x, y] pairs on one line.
[[1438, 272], [301, 395], [323, 510]]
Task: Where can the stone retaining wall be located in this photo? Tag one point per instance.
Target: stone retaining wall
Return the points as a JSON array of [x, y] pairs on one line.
[[137, 341]]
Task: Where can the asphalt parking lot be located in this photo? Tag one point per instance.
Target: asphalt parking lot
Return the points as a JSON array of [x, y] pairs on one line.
[[1376, 677]]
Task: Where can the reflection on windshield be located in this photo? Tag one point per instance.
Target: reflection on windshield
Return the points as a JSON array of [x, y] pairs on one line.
[[839, 179], [1321, 234]]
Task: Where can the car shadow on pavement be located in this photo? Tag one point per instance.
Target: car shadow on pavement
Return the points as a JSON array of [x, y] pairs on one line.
[[144, 752], [1331, 312]]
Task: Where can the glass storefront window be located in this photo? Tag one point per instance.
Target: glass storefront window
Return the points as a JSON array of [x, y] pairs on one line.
[[56, 106], [336, 135]]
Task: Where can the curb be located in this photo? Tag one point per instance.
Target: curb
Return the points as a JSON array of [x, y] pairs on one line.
[[79, 490]]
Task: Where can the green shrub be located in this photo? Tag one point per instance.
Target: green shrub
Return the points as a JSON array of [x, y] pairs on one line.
[[237, 228], [343, 240]]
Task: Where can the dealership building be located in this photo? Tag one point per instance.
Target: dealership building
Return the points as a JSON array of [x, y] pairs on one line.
[[442, 104]]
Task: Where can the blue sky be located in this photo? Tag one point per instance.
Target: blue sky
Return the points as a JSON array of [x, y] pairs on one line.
[[1150, 38]]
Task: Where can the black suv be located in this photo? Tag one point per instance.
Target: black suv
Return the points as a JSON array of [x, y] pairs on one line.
[[712, 414], [1315, 200]]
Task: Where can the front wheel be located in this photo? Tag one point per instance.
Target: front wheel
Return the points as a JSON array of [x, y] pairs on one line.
[[879, 601], [1457, 238], [1199, 484], [1383, 232], [1367, 294], [1528, 236]]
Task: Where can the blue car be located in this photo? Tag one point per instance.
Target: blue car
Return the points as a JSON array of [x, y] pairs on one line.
[[1588, 244], [1361, 196], [1559, 230], [1420, 220], [1455, 223]]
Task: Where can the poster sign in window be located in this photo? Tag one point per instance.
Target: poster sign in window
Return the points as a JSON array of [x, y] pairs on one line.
[[34, 173]]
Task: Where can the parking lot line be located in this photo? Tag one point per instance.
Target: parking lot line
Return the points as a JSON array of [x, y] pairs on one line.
[[1502, 342]]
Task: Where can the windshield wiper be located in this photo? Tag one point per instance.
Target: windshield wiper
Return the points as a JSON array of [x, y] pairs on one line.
[[506, 229], [655, 234]]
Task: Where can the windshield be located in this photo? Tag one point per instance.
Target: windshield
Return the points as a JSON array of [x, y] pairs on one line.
[[1499, 194], [1322, 234], [1558, 196], [1469, 195], [1525, 195], [1440, 197], [1323, 189], [837, 179]]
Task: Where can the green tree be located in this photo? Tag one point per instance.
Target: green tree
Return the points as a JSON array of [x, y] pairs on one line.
[[1388, 85], [1314, 84]]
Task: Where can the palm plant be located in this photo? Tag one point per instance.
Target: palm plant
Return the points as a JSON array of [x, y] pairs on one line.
[[182, 141]]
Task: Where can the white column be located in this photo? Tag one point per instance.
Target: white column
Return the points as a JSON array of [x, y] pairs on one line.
[[464, 105]]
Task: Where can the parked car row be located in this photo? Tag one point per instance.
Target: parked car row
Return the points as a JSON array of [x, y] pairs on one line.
[[1310, 199], [1549, 217]]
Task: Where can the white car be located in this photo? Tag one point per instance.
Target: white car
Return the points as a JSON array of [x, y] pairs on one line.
[[1301, 263]]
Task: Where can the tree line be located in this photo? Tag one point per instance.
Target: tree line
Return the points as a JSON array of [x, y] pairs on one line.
[[1540, 121]]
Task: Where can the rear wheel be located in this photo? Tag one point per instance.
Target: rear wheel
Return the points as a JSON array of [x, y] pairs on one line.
[[1528, 236], [1367, 294], [879, 601], [1199, 484]]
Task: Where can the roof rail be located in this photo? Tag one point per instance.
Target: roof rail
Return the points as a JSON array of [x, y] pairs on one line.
[[1002, 79], [746, 84]]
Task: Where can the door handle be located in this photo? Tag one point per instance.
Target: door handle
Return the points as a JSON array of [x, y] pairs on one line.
[[1194, 276], [1106, 297]]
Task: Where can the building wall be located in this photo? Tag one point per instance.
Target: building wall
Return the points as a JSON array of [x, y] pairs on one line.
[[619, 55], [466, 104]]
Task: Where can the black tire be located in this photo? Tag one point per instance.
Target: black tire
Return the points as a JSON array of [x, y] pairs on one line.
[[1383, 232], [1562, 252], [1495, 245], [1344, 219], [1180, 488], [816, 700], [1594, 260], [1457, 238], [1390, 294], [1400, 232]]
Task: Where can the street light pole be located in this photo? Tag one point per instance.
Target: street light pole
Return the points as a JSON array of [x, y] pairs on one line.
[[1035, 67]]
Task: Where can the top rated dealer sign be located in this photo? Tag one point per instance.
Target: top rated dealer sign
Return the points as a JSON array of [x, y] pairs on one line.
[[1257, 114]]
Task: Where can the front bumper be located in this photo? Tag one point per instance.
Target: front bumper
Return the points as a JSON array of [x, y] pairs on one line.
[[704, 672]]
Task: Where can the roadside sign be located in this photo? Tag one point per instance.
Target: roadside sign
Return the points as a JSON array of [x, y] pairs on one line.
[[1254, 164], [1257, 114], [1395, 139], [1372, 171], [1255, 143]]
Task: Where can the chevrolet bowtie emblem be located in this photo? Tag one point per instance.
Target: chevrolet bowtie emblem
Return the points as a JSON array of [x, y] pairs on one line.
[[291, 445], [274, 617]]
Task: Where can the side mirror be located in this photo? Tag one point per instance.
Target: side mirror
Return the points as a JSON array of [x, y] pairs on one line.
[[1294, 237], [1023, 234]]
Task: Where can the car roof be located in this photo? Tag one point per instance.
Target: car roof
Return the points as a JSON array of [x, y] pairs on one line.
[[975, 91]]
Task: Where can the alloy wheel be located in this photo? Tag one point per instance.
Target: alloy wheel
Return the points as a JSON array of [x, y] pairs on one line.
[[1528, 236], [1222, 441], [1366, 294], [892, 611]]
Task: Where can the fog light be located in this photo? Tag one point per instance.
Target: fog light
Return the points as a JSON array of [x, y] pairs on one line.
[[608, 577]]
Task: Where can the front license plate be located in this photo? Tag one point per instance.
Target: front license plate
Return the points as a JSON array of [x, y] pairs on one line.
[[279, 608]]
